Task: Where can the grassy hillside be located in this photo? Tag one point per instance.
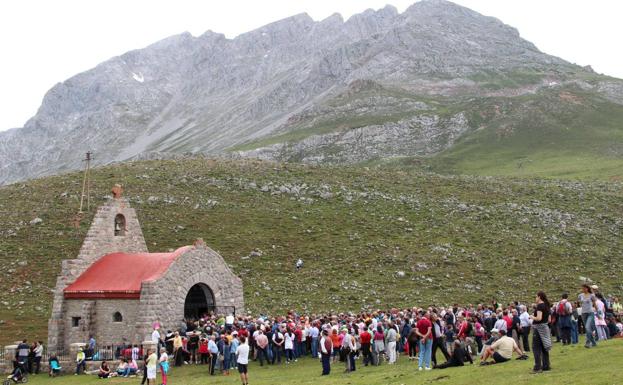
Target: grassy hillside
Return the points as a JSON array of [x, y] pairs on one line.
[[564, 133], [357, 230], [571, 365]]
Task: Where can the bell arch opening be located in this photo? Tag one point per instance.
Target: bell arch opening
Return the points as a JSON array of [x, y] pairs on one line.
[[119, 225], [199, 301]]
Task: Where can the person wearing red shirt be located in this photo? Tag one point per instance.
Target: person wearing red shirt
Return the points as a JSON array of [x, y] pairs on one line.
[[364, 339], [243, 332], [298, 342], [463, 328], [509, 321], [203, 350], [424, 330]]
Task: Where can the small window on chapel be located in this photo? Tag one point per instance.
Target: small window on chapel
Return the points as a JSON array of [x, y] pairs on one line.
[[119, 225], [75, 321], [117, 317]]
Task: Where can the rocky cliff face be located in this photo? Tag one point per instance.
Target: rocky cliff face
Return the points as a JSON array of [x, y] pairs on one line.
[[214, 95]]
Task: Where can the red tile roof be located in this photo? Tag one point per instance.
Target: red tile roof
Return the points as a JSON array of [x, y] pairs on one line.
[[120, 275]]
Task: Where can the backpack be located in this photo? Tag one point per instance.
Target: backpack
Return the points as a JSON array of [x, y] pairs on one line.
[[562, 308]]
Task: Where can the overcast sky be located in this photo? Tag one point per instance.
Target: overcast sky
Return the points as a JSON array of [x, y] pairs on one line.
[[44, 42]]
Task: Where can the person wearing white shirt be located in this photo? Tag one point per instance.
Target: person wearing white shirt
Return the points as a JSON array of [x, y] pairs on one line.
[[213, 349], [135, 352], [289, 346], [242, 360], [313, 334], [500, 324], [38, 351], [525, 323], [155, 338], [348, 346], [326, 349]]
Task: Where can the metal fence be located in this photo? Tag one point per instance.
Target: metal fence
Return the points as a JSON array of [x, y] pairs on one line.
[[116, 352], [105, 352]]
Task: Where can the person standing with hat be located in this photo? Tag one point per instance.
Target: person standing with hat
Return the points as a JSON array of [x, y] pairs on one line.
[[178, 349], [80, 362], [326, 348]]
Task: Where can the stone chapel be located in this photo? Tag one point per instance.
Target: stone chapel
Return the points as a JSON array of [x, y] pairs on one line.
[[116, 289]]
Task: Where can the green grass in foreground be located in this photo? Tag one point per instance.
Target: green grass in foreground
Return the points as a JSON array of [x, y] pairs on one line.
[[571, 365]]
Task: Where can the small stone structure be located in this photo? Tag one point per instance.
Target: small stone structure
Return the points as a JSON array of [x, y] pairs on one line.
[[115, 290]]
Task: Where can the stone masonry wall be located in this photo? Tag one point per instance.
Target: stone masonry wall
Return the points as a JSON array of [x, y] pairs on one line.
[[163, 300], [100, 240], [105, 330]]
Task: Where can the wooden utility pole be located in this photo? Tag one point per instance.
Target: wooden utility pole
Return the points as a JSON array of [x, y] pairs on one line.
[[86, 183]]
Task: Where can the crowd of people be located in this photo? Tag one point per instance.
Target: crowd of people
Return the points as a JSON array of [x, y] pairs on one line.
[[490, 333]]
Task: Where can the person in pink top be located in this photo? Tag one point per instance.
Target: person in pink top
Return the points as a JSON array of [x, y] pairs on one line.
[[600, 320], [479, 333], [379, 345]]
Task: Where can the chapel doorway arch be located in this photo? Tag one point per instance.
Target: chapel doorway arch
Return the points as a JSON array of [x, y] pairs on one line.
[[199, 301]]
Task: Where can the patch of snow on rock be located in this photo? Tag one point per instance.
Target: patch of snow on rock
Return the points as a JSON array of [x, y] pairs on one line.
[[138, 77]]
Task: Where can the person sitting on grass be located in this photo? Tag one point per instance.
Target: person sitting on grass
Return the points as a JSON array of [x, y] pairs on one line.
[[121, 369], [104, 371], [458, 358], [131, 369], [501, 350], [619, 326], [495, 335], [55, 367], [125, 368]]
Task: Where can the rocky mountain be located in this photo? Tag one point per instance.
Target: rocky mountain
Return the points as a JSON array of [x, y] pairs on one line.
[[379, 85]]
